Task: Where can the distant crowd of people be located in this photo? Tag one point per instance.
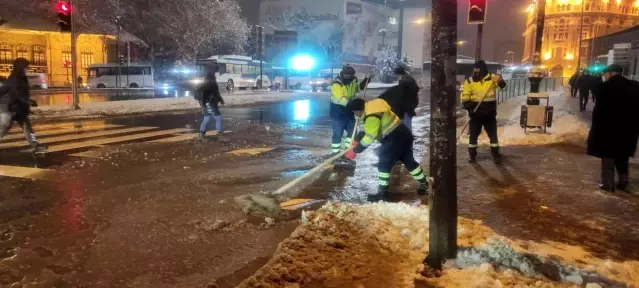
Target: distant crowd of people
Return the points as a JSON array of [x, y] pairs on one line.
[[614, 132]]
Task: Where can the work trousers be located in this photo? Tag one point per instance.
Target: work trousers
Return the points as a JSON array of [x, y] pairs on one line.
[[398, 146], [583, 99], [341, 125], [210, 112], [6, 121]]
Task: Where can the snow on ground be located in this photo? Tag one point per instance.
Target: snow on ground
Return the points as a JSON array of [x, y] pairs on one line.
[[379, 85], [567, 126], [374, 245], [130, 107]]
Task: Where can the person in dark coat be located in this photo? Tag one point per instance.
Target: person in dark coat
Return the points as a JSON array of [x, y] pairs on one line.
[[595, 81], [584, 82], [573, 84], [614, 132], [15, 103], [210, 99], [409, 92]]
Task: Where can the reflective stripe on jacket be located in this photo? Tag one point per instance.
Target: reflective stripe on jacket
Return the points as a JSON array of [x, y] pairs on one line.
[[379, 121], [474, 91], [341, 94]]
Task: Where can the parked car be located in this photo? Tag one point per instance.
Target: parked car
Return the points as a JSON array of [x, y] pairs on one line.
[[37, 80]]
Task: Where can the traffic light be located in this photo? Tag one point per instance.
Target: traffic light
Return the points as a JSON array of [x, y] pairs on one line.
[[64, 16], [476, 11]]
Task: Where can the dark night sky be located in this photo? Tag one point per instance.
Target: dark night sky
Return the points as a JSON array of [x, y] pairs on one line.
[[505, 22]]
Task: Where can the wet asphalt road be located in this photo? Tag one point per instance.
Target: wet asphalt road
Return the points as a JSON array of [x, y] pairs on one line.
[[141, 214]]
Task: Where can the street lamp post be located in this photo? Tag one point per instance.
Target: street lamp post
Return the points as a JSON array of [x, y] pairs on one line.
[[581, 32], [400, 35]]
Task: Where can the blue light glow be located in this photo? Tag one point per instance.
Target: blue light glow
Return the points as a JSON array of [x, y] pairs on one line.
[[302, 62], [301, 110]]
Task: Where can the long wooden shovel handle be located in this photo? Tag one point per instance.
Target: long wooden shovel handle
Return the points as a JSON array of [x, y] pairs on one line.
[[475, 110]]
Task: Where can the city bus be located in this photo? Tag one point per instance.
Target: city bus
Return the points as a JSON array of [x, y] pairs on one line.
[[131, 76], [236, 71]]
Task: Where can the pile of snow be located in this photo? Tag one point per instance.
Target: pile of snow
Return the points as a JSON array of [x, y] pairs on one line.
[[373, 245], [379, 85]]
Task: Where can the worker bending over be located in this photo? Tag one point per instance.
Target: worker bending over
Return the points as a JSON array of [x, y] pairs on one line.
[[481, 89], [380, 123]]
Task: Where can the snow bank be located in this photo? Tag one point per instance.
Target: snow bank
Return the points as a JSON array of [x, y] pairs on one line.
[[373, 245], [131, 107]]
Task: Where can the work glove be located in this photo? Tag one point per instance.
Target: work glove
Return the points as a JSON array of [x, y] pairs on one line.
[[350, 154], [495, 78]]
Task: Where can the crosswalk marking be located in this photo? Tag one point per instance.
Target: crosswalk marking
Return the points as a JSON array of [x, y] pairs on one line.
[[84, 128], [60, 126], [96, 142], [185, 137], [250, 151], [24, 172], [77, 136]]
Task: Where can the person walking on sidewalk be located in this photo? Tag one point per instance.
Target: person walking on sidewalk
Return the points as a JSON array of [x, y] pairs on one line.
[[15, 104], [584, 83], [343, 90], [573, 84], [210, 98], [409, 95], [380, 123], [614, 132], [482, 88]]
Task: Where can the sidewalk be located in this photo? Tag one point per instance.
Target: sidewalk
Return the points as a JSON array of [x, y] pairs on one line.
[[141, 106], [538, 220]]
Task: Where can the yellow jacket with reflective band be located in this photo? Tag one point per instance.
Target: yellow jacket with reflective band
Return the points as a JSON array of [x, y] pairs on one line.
[[474, 91], [341, 94], [379, 121]]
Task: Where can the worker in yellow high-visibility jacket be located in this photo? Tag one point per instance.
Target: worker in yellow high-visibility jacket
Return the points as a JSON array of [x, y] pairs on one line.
[[482, 88], [343, 90], [381, 124]]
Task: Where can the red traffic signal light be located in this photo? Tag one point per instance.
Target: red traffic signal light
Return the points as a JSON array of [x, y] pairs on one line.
[[476, 11], [63, 7]]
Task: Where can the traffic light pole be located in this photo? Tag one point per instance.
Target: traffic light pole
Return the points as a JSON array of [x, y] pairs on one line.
[[480, 36], [259, 42], [74, 59], [443, 150]]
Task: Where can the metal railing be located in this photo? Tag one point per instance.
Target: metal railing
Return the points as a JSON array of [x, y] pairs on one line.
[[521, 86]]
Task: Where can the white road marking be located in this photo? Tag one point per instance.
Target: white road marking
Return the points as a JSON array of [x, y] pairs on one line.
[[24, 172], [84, 128], [77, 136]]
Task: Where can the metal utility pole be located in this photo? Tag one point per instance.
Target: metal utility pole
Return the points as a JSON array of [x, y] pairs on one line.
[[117, 53], [443, 149], [260, 54], [581, 31], [480, 37], [74, 60], [400, 34]]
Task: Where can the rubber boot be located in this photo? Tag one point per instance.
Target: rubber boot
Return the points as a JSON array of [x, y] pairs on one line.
[[201, 136], [423, 187], [607, 175], [382, 193], [472, 152], [219, 126], [496, 156], [623, 183], [37, 148]]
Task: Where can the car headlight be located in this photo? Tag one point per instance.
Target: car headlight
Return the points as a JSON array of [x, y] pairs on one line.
[[196, 81]]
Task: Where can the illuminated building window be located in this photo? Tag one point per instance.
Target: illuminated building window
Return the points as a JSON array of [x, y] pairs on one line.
[[86, 58], [22, 52], [38, 56], [6, 54], [66, 55]]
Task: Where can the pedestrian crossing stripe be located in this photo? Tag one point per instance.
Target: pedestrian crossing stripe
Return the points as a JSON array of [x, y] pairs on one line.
[[120, 139], [24, 172], [61, 126], [185, 137], [84, 128], [250, 151], [77, 136]]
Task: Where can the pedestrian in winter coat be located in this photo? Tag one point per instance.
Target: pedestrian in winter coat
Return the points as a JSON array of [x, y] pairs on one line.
[[15, 103], [614, 132], [410, 97], [595, 81], [584, 83], [210, 98], [573, 84], [481, 89]]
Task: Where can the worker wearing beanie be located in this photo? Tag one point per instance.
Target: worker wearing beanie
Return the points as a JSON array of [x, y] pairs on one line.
[[380, 123], [482, 88], [343, 90]]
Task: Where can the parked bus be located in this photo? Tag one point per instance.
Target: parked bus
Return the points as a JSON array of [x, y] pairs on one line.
[[131, 76], [237, 71]]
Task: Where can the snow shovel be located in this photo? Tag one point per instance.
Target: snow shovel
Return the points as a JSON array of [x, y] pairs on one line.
[[350, 165], [269, 203], [474, 110]]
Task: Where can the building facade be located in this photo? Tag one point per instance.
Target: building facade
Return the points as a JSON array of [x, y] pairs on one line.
[[563, 28]]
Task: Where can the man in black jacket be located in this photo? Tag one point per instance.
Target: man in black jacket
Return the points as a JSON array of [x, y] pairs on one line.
[[210, 98], [614, 132], [573, 84], [584, 83], [15, 103], [409, 95]]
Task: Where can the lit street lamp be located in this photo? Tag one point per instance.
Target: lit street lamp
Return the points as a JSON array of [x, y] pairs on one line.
[[461, 43]]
